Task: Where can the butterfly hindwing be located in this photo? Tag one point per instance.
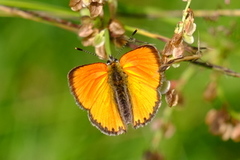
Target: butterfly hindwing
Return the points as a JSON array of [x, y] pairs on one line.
[[90, 87], [142, 68]]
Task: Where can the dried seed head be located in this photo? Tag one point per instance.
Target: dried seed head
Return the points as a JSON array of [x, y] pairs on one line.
[[101, 52], [116, 28], [153, 155], [211, 91], [226, 130], [235, 136], [85, 30], [177, 52], [96, 9], [221, 123], [216, 119], [77, 5], [174, 47], [189, 27], [171, 98], [167, 50], [88, 41], [167, 128], [156, 124]]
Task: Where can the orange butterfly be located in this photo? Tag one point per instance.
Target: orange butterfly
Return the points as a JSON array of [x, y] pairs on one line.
[[120, 92]]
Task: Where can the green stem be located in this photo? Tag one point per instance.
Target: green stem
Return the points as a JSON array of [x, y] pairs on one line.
[[107, 42]]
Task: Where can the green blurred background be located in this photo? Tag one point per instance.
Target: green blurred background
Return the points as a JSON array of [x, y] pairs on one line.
[[38, 116]]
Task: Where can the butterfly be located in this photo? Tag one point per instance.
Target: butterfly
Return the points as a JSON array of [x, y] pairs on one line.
[[120, 92]]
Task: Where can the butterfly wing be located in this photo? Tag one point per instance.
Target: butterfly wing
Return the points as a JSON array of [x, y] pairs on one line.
[[142, 68], [90, 87]]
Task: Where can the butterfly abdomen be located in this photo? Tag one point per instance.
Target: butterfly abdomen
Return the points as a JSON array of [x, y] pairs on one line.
[[118, 81]]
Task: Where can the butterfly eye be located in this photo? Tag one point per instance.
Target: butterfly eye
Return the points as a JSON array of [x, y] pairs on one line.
[[109, 62], [111, 59]]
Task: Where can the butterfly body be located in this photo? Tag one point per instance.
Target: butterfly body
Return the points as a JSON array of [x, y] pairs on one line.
[[118, 80], [120, 92]]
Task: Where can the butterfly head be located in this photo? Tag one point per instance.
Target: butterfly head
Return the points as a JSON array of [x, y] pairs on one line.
[[111, 60]]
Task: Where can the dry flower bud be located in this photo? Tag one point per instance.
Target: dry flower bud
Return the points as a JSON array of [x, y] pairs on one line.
[[152, 155], [171, 98], [189, 27], [189, 22], [217, 121], [177, 47], [177, 52], [226, 130], [85, 30], [174, 47], [177, 39], [86, 3], [235, 136], [116, 29], [156, 124], [167, 128], [75, 5], [88, 41], [221, 123], [167, 50], [211, 119], [211, 91], [96, 9], [100, 52]]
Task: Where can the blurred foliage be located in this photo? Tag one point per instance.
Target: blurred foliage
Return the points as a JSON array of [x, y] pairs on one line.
[[39, 118]]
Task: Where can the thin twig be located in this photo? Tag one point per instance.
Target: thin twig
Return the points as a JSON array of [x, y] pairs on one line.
[[178, 13], [217, 68], [35, 16]]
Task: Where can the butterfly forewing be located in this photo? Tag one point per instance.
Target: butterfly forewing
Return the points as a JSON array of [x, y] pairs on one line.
[[90, 87], [142, 68]]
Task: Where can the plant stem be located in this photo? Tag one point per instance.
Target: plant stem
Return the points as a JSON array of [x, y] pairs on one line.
[[34, 16]]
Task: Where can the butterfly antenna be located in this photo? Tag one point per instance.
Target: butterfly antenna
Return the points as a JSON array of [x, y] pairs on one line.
[[134, 32], [80, 49], [130, 39]]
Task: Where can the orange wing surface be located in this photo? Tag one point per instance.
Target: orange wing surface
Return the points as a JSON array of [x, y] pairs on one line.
[[142, 68], [92, 92]]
